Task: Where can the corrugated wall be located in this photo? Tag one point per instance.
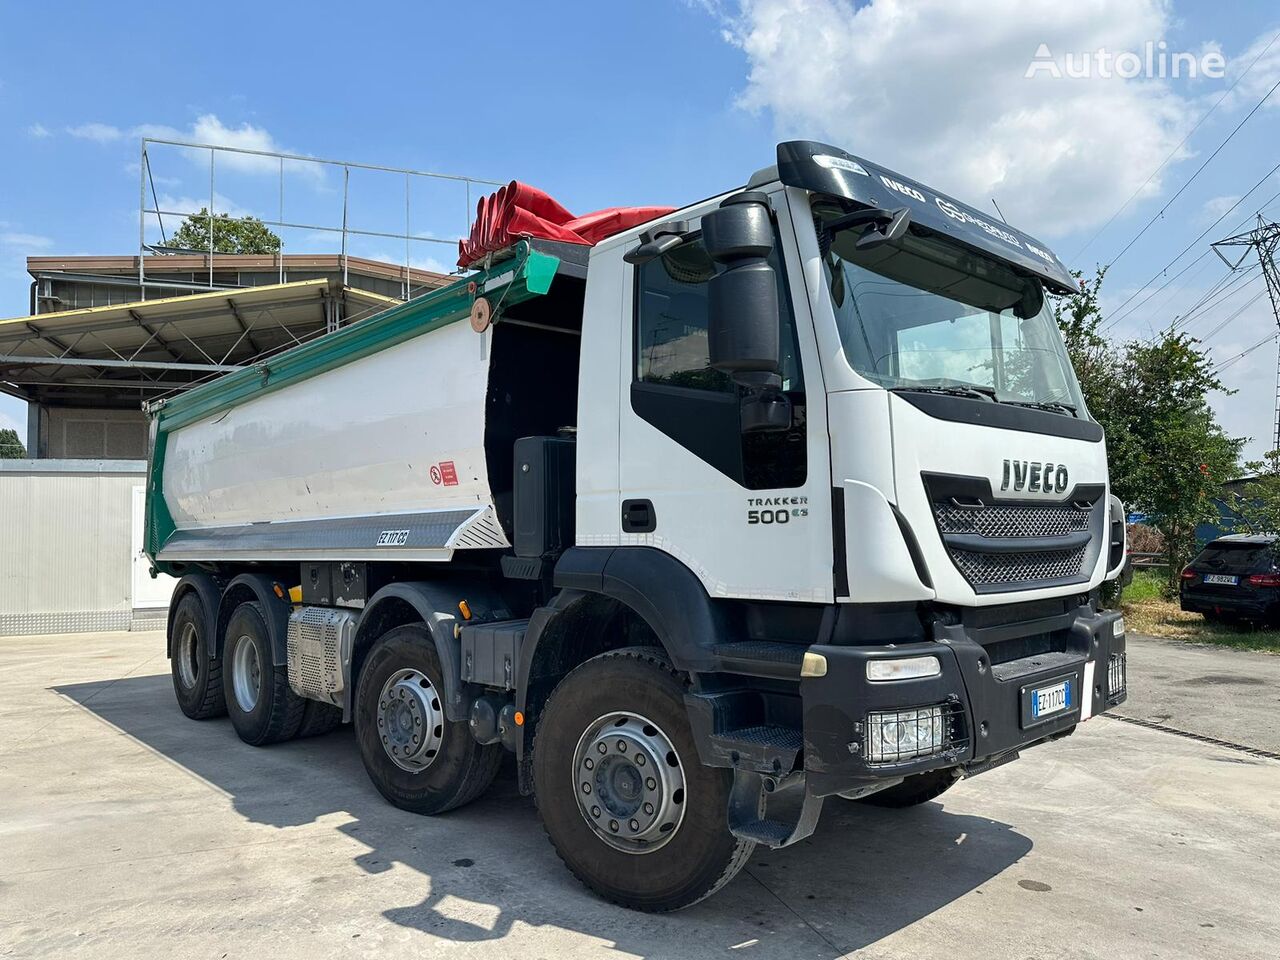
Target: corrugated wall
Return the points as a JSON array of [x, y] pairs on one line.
[[67, 546]]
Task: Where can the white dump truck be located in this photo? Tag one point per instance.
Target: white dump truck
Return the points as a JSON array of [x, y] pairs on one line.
[[706, 515]]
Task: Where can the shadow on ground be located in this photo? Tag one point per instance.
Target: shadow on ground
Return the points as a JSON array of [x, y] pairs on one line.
[[865, 874]]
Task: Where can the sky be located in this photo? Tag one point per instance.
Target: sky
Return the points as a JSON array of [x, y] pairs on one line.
[[665, 102]]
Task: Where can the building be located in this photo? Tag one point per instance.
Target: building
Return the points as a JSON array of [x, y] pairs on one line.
[[103, 336], [106, 334]]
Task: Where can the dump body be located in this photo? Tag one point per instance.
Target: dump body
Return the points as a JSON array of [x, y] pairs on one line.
[[371, 448]]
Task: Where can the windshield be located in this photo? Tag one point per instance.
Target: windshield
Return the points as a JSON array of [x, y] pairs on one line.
[[923, 314]]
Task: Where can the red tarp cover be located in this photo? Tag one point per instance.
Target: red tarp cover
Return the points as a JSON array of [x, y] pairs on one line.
[[519, 210]]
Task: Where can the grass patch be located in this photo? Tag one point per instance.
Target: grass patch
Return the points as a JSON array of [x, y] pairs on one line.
[[1147, 611]]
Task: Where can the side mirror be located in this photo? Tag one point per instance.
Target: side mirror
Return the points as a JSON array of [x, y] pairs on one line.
[[742, 326]]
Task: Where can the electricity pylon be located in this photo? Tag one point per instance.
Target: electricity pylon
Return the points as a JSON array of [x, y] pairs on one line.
[[1263, 238]]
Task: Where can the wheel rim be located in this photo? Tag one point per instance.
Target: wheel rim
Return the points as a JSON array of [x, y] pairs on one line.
[[629, 782], [246, 674], [188, 667], [410, 721]]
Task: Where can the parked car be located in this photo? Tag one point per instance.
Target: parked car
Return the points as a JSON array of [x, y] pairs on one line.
[[1235, 578]]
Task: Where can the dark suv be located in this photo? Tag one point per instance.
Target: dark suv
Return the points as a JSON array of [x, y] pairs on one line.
[[1236, 577]]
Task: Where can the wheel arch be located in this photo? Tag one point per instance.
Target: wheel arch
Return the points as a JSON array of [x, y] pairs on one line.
[[261, 589], [614, 597], [205, 587], [434, 604]]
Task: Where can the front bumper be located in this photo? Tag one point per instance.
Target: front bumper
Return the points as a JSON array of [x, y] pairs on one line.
[[984, 702]]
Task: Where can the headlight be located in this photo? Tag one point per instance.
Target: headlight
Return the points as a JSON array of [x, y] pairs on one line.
[[897, 735], [1117, 628]]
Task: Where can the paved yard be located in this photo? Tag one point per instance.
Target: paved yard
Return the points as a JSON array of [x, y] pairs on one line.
[[128, 831]]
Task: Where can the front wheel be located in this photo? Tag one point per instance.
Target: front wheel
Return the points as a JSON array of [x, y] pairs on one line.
[[417, 758], [622, 795]]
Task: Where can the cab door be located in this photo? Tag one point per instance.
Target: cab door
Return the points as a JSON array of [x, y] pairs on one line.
[[748, 513]]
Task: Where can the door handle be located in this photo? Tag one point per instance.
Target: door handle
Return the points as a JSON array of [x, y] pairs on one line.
[[638, 516]]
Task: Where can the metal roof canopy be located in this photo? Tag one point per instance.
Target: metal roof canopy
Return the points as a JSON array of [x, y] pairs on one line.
[[121, 355]]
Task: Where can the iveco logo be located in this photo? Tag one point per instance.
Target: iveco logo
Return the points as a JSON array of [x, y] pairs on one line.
[[1034, 476]]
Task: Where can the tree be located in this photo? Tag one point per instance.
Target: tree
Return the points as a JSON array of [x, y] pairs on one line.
[[1167, 454], [245, 235], [11, 447]]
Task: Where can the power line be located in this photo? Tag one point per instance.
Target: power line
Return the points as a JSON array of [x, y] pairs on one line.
[[1243, 307], [1256, 107], [1244, 353], [1175, 150], [1118, 316], [1223, 292]]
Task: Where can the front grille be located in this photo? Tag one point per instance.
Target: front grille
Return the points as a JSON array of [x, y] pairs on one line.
[[1011, 521], [1011, 568], [1005, 544]]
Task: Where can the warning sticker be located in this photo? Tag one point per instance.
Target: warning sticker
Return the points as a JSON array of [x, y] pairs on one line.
[[448, 473]]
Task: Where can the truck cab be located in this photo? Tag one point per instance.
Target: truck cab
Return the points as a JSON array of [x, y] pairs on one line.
[[787, 495]]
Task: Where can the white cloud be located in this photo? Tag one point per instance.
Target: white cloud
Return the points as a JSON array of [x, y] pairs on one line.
[[938, 89], [38, 130], [1262, 76], [208, 129], [1215, 207], [25, 241], [187, 205], [97, 132]]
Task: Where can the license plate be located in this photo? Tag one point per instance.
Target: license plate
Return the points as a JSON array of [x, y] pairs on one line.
[[1050, 699], [1046, 701], [1221, 578]]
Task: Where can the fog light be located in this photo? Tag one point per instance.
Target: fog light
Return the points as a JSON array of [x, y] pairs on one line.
[[1117, 628], [903, 668], [1116, 678], [897, 735]]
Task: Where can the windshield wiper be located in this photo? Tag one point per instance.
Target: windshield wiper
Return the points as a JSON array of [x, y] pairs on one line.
[[1055, 406], [974, 392]]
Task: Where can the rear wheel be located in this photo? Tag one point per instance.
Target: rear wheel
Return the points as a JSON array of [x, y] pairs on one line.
[[417, 758], [319, 718], [197, 678], [912, 791], [262, 706], [622, 795]]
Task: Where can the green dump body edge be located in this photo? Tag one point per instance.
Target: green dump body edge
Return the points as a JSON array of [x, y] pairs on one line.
[[506, 283]]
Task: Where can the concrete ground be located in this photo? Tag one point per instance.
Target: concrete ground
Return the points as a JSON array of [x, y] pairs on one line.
[[128, 831]]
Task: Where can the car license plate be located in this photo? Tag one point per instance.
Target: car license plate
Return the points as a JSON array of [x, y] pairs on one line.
[[1221, 578]]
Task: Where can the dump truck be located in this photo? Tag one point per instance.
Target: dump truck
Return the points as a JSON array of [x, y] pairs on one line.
[[706, 516]]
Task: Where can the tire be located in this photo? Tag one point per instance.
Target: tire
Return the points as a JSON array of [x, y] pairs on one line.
[[913, 791], [262, 706], [197, 678], [319, 718], [700, 855], [454, 769]]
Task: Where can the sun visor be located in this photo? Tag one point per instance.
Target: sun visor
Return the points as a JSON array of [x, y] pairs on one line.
[[821, 168]]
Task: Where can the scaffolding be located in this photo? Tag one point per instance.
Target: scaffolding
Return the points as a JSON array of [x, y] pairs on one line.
[[343, 231]]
